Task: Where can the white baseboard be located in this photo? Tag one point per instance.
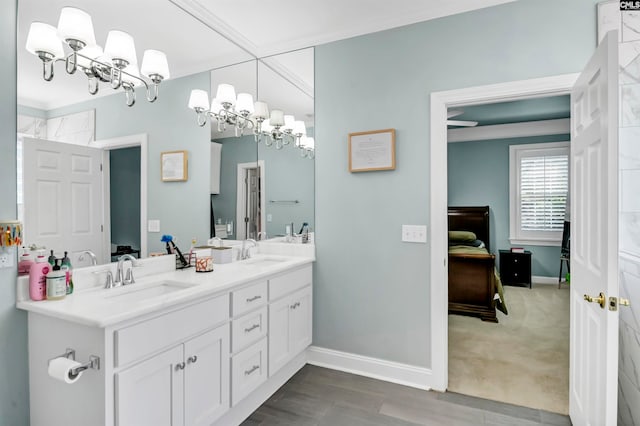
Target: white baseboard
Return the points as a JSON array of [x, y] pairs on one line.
[[537, 279], [395, 372]]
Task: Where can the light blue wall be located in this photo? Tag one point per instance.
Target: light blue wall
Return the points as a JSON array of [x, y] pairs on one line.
[[181, 207], [31, 112], [479, 176], [124, 166], [14, 378], [371, 291]]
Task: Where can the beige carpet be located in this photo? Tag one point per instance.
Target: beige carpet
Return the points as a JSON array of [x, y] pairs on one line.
[[522, 360]]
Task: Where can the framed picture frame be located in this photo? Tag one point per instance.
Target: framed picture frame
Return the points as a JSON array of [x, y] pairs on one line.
[[174, 166], [372, 151]]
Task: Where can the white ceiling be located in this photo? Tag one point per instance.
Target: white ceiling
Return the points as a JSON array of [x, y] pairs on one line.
[[195, 34]]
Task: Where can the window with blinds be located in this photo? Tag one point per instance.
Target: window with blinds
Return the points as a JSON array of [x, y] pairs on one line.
[[539, 188]]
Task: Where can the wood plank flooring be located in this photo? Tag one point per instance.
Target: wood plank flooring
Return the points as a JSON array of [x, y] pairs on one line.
[[319, 396]]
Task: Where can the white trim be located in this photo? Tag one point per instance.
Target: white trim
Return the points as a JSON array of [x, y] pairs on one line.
[[140, 140], [513, 130], [241, 196], [541, 242], [440, 101], [538, 279], [389, 371]]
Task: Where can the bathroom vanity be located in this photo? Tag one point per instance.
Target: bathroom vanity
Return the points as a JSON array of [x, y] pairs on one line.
[[174, 348]]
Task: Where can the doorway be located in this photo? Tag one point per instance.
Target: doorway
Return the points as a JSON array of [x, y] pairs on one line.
[[509, 163], [440, 102], [250, 199]]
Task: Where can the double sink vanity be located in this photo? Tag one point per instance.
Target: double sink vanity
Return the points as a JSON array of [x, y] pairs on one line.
[[176, 347]]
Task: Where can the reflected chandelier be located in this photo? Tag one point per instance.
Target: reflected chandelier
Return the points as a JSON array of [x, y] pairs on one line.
[[116, 65], [242, 114]]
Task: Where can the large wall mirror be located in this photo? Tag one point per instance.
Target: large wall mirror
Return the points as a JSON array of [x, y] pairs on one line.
[[62, 111]]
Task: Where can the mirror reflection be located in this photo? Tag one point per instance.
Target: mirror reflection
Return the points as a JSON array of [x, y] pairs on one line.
[[131, 208]]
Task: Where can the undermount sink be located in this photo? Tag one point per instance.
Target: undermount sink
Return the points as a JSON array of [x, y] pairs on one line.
[[137, 292], [262, 261]]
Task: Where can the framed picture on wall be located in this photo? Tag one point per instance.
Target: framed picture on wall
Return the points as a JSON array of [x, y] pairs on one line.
[[174, 166], [372, 150]]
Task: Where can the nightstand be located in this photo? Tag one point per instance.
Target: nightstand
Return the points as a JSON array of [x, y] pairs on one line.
[[515, 268]]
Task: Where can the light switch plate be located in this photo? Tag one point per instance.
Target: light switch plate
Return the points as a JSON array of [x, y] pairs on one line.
[[269, 217], [6, 260], [414, 233], [153, 225]]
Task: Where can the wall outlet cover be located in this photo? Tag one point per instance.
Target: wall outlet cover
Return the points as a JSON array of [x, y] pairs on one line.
[[153, 225], [414, 234], [7, 260]]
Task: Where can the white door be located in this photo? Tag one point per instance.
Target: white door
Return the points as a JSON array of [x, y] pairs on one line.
[[63, 197], [206, 388], [151, 393], [594, 241]]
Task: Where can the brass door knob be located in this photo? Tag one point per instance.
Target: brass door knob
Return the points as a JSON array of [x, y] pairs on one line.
[[600, 300], [624, 302]]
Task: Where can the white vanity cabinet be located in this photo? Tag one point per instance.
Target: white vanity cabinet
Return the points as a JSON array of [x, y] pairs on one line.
[[185, 385]]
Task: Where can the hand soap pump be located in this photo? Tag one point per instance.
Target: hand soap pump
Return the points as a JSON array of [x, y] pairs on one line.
[[66, 263], [37, 278]]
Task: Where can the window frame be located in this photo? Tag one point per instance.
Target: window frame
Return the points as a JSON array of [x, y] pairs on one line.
[[516, 152]]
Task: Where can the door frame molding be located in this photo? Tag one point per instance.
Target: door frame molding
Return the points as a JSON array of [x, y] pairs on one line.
[[128, 141], [241, 195], [440, 101]]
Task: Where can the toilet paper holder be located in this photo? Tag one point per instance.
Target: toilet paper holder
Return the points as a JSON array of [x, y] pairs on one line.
[[93, 363]]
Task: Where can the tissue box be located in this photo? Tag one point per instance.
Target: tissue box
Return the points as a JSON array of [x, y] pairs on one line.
[[222, 254]]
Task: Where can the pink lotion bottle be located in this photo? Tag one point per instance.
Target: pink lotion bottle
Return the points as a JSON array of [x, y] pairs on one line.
[[38, 278]]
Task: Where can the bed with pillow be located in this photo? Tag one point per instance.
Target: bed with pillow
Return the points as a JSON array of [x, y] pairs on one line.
[[474, 284]]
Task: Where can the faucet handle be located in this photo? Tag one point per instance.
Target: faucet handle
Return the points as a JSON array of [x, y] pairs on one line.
[[109, 282], [129, 278]]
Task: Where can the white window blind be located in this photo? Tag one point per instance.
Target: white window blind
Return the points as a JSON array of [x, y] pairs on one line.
[[544, 182], [539, 183]]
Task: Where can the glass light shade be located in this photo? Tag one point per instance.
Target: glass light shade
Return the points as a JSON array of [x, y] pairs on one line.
[[199, 99], [92, 52], [133, 70], [120, 46], [266, 126], [244, 103], [216, 106], [226, 94], [76, 24], [44, 38], [289, 122], [155, 62], [309, 143], [261, 110], [277, 118], [299, 128]]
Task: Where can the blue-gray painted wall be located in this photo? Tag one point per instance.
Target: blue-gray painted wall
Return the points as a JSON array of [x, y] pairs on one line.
[[371, 291], [479, 176], [124, 186], [181, 207], [14, 377], [32, 112]]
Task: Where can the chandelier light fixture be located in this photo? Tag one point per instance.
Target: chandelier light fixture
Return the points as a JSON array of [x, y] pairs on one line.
[[240, 112], [117, 65]]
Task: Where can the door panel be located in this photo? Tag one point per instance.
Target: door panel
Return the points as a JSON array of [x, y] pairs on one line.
[[594, 244]]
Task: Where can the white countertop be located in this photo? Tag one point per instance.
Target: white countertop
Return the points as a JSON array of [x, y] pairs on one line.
[[90, 307]]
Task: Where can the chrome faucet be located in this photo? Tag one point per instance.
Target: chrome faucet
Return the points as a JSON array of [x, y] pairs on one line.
[[245, 253], [92, 255], [120, 272]]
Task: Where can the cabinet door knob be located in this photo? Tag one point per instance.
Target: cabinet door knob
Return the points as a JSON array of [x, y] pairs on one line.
[[192, 359], [180, 366]]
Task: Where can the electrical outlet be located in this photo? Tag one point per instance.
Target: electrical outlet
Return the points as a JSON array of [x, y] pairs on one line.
[[6, 260], [153, 225], [269, 217]]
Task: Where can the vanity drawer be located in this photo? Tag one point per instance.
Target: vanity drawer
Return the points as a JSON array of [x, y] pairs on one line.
[[248, 329], [287, 283], [248, 298], [138, 340], [248, 370]]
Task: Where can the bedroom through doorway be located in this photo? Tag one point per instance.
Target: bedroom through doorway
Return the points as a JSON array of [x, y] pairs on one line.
[[508, 323]]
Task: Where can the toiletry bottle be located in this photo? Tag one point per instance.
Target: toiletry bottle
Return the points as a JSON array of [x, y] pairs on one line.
[[26, 260], [67, 262], [52, 259], [37, 278], [56, 283], [192, 257]]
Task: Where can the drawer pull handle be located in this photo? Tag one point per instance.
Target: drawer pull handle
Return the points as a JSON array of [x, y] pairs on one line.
[[295, 305], [192, 359], [254, 298], [251, 370], [180, 366], [250, 329]]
